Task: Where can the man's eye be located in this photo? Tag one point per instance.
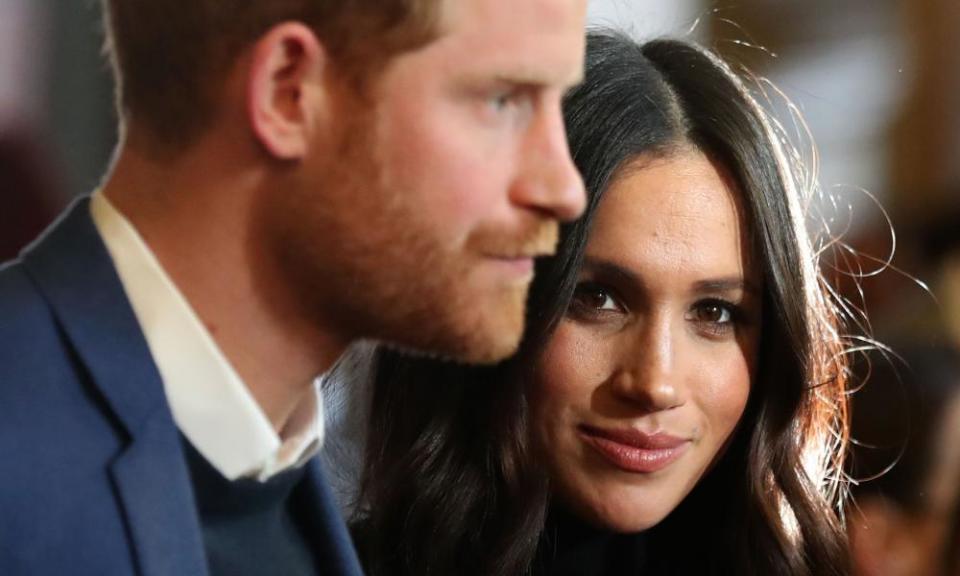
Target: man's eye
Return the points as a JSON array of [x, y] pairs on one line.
[[513, 104], [507, 100], [502, 100]]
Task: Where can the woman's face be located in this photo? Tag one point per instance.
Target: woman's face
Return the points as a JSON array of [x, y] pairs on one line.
[[647, 375]]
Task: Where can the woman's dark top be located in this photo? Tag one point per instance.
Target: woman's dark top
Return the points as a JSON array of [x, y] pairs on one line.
[[570, 547]]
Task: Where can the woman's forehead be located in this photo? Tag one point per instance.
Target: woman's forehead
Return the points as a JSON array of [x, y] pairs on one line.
[[680, 210]]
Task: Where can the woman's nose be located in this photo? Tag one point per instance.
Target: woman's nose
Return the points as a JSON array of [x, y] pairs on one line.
[[648, 369]]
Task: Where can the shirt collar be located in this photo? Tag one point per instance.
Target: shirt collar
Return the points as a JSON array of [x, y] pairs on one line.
[[210, 403]]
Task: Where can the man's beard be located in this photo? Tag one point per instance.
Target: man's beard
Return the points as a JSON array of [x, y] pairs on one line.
[[368, 266]]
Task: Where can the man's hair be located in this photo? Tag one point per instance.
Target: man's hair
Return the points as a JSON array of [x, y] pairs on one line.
[[171, 57]]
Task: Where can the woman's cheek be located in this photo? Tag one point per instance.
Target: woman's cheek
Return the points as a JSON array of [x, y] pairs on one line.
[[569, 366], [726, 397]]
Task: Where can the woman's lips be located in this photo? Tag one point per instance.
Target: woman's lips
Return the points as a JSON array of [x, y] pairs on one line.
[[634, 451]]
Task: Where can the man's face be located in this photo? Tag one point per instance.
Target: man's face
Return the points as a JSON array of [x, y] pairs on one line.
[[448, 182]]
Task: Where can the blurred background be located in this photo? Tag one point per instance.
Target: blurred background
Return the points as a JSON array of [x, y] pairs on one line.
[[876, 82]]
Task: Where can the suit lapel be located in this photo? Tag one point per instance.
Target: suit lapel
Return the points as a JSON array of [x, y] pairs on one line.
[[325, 528], [72, 268]]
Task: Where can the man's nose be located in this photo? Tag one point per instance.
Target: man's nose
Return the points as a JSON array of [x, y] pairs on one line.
[[550, 182]]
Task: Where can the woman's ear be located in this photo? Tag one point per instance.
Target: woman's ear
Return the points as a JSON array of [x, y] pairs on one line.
[[287, 98]]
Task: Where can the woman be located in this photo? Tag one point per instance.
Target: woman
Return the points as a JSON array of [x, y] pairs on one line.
[[677, 405]]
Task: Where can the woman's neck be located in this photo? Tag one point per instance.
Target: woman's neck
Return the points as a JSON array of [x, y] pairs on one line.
[[569, 546]]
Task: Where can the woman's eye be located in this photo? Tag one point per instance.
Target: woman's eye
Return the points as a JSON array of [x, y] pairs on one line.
[[714, 312], [591, 298], [715, 318]]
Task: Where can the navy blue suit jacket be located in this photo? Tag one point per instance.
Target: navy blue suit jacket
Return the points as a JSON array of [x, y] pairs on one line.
[[93, 479]]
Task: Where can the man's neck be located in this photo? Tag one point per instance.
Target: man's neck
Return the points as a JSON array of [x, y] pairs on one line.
[[196, 215]]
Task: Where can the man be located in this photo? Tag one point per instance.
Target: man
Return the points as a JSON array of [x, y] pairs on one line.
[[294, 175]]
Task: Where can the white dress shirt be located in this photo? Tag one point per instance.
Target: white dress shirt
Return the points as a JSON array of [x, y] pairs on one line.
[[210, 403]]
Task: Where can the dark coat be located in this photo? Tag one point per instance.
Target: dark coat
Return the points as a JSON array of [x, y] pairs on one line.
[[93, 479]]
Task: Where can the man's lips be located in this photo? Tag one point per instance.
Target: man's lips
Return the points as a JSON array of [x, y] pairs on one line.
[[526, 253], [520, 263], [632, 450], [522, 266], [520, 244]]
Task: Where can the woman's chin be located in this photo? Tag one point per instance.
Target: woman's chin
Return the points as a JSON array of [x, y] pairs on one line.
[[631, 524], [623, 519]]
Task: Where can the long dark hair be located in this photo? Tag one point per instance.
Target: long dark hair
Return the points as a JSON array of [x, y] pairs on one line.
[[451, 486]]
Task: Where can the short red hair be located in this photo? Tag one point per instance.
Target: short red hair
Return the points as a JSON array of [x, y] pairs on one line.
[[170, 57]]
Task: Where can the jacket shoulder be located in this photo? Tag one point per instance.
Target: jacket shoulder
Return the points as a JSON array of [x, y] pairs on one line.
[[27, 325], [43, 385]]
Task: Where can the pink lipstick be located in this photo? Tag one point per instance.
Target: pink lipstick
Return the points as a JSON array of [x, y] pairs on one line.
[[635, 451]]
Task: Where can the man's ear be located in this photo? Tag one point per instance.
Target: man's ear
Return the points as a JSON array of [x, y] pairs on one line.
[[287, 99]]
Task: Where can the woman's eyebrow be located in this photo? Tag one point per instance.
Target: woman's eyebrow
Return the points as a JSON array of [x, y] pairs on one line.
[[615, 271], [726, 284], [611, 270]]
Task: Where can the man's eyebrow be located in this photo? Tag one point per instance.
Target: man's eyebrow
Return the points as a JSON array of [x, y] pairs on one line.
[[531, 78]]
